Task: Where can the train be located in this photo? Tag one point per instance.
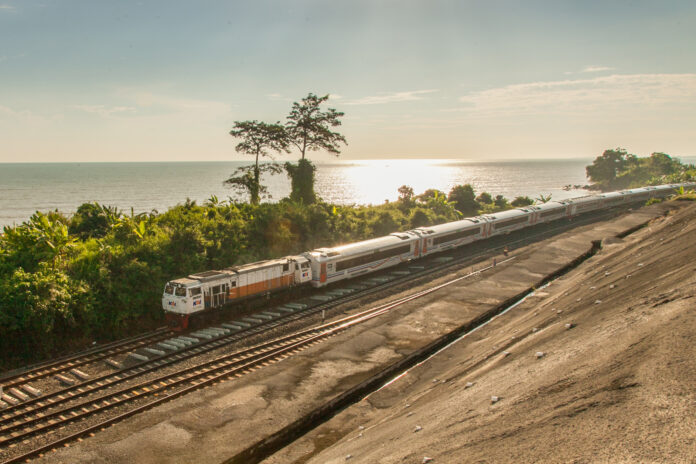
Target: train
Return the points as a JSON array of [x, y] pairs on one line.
[[208, 291]]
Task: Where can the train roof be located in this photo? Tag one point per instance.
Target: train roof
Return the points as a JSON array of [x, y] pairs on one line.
[[548, 205], [462, 224], [511, 213], [185, 282], [584, 199], [257, 265], [357, 248], [207, 276]]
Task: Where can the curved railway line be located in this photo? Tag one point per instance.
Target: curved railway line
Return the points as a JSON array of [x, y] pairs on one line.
[[27, 427], [65, 364], [170, 386]]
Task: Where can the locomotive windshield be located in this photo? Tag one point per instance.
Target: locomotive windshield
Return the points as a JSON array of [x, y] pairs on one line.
[[169, 290], [180, 291]]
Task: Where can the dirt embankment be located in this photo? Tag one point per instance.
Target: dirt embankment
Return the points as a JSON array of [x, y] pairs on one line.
[[617, 386]]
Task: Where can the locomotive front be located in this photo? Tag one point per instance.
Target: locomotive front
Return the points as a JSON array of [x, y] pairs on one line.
[[181, 297]]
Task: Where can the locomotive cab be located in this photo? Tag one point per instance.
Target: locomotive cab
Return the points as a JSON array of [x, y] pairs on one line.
[[182, 296], [302, 269]]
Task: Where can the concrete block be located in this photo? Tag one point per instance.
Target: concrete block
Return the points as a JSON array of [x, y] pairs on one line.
[[285, 309], [252, 320], [201, 334], [495, 399], [65, 380], [155, 351], [272, 313], [265, 317], [113, 363], [176, 342], [79, 374], [35, 392], [245, 325], [296, 305], [321, 297], [168, 346], [9, 399], [189, 339], [232, 327], [138, 357], [20, 395]]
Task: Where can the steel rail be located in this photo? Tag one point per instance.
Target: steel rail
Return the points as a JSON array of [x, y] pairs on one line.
[[110, 379], [80, 359], [209, 372]]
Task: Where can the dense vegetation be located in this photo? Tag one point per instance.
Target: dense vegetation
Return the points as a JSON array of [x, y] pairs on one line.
[[98, 274], [616, 169]]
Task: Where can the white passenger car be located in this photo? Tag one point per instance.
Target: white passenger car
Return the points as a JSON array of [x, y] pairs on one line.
[[508, 221], [450, 235], [343, 262]]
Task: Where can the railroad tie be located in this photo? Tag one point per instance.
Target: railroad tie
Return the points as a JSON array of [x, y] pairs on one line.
[[65, 380], [17, 393], [233, 327], [79, 374], [114, 364], [138, 357], [35, 392]]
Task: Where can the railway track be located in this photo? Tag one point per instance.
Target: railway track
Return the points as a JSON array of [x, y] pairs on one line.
[[38, 416], [68, 363], [167, 387], [427, 267]]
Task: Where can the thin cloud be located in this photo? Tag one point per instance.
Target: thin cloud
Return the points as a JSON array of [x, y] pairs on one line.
[[592, 69], [160, 103], [582, 95], [105, 111], [7, 7], [389, 98]]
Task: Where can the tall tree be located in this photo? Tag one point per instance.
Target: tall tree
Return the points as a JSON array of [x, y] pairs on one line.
[[604, 169], [260, 140], [464, 199], [310, 129]]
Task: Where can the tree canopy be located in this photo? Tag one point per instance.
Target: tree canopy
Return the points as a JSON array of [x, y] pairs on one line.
[[616, 169], [310, 129], [258, 139]]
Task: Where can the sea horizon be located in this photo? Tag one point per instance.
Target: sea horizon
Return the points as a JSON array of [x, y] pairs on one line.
[[145, 186]]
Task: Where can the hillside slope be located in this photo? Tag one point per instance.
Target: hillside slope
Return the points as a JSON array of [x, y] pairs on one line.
[[615, 387]]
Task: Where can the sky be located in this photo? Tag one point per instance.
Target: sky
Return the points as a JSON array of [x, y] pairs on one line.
[[97, 80]]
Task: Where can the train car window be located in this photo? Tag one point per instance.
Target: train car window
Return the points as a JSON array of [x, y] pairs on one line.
[[286, 267], [376, 256], [512, 222], [216, 289], [169, 290], [195, 291], [456, 235], [305, 265], [180, 291], [551, 213], [233, 283]]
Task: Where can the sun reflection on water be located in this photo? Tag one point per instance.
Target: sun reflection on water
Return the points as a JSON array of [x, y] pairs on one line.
[[374, 181]]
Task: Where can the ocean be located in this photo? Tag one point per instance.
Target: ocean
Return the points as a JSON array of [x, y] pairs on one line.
[[26, 188]]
